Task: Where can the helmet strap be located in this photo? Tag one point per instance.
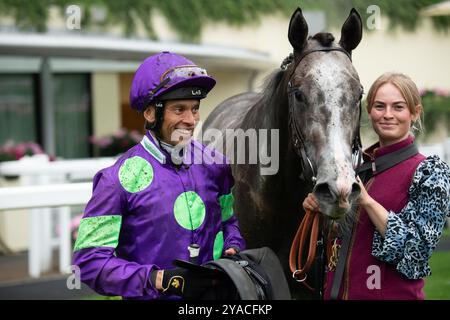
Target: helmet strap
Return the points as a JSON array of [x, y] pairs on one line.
[[159, 112]]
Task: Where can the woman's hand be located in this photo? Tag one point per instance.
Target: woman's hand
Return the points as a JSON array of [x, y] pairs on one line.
[[377, 213], [364, 198], [310, 203]]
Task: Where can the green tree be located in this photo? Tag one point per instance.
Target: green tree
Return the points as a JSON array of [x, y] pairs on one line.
[[187, 17]]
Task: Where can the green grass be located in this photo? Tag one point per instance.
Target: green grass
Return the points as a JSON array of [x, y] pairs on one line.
[[446, 232], [437, 286]]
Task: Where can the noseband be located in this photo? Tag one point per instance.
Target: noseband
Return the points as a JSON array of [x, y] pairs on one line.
[[309, 169]]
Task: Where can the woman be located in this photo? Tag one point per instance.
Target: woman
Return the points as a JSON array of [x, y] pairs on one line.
[[402, 209]]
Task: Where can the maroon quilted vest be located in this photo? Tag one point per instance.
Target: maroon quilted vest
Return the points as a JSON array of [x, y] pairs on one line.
[[390, 189]]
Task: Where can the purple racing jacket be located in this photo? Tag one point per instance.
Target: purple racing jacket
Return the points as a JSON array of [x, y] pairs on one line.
[[145, 211]]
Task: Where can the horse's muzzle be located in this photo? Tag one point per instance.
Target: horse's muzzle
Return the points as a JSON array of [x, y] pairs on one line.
[[333, 202]]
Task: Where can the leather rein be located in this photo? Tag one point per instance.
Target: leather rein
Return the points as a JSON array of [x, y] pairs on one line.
[[311, 223]]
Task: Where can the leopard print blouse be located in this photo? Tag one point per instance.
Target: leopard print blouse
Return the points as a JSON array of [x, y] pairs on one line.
[[412, 234]]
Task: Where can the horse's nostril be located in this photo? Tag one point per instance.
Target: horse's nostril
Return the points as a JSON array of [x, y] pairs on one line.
[[356, 190], [323, 190]]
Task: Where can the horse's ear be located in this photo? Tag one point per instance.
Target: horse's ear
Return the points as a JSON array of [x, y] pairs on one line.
[[298, 31], [351, 32]]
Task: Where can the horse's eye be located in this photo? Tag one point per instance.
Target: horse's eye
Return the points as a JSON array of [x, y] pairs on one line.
[[299, 96]]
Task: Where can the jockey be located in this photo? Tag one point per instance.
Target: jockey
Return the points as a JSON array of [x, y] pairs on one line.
[[154, 205]]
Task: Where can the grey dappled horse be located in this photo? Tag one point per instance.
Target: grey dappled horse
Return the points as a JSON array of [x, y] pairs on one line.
[[314, 102]]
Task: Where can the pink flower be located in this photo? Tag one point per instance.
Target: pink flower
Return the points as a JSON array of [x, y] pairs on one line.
[[116, 143], [93, 139], [136, 136], [17, 151], [104, 142], [121, 133], [8, 146], [74, 224], [442, 92], [33, 148]]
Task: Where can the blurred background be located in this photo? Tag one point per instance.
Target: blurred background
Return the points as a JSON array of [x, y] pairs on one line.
[[65, 72]]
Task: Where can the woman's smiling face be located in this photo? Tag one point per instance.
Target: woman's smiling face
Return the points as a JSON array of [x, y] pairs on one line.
[[390, 115]]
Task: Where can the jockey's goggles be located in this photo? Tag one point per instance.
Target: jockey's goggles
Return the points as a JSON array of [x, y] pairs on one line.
[[186, 71], [176, 74]]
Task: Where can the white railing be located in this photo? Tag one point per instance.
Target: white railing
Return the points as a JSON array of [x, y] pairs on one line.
[[45, 189], [40, 199], [68, 170], [54, 195]]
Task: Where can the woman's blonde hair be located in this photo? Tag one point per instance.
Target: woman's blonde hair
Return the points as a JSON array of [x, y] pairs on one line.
[[407, 88]]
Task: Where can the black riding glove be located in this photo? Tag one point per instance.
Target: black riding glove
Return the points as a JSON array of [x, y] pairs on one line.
[[185, 283]]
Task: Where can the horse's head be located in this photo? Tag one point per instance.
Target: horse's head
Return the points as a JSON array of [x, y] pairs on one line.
[[324, 102]]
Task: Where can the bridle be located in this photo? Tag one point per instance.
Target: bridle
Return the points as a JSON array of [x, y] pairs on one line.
[[312, 221], [309, 169]]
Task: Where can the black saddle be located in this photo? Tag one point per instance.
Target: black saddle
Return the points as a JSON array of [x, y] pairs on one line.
[[254, 274]]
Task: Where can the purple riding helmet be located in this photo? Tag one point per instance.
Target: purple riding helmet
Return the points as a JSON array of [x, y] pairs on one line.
[[167, 76]]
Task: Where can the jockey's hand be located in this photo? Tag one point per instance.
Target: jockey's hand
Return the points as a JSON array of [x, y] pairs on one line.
[[230, 251], [310, 203], [183, 282]]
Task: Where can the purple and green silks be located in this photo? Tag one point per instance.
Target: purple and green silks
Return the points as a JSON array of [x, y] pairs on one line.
[[144, 213]]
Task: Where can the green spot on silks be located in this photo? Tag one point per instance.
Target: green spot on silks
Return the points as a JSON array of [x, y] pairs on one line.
[[189, 210], [135, 174], [101, 231], [218, 246], [226, 204]]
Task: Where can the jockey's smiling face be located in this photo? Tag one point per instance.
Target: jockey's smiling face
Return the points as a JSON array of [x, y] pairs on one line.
[[179, 120]]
